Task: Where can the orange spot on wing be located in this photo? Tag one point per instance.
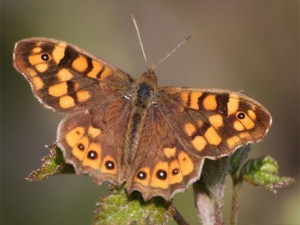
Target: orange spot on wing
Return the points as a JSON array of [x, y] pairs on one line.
[[184, 99], [80, 148], [189, 129], [36, 50], [212, 136], [252, 114], [247, 122], [177, 177], [97, 67], [66, 102], [160, 183], [199, 143], [245, 135], [35, 59], [74, 136], [80, 63], [194, 100], [186, 164], [42, 67], [237, 125], [216, 120], [93, 163], [31, 72], [170, 152], [233, 104], [83, 96], [103, 167], [107, 72], [37, 83], [210, 102], [59, 52], [94, 132], [233, 141], [58, 90], [64, 75], [144, 182]]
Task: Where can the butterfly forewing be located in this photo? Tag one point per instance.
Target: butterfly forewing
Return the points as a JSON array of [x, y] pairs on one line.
[[213, 123], [66, 78]]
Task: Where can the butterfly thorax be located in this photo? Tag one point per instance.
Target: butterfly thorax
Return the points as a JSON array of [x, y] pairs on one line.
[[144, 93]]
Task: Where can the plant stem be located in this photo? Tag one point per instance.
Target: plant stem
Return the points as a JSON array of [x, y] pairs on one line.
[[237, 185], [178, 217]]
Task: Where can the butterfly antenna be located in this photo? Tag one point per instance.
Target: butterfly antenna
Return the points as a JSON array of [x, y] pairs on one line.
[[139, 36], [175, 49]]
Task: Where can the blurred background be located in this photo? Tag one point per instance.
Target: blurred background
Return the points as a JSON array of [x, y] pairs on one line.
[[239, 45]]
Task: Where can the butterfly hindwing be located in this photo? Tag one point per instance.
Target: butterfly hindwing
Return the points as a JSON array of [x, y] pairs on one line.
[[162, 166], [92, 140]]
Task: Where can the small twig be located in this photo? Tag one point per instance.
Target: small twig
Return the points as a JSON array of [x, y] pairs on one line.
[[237, 185]]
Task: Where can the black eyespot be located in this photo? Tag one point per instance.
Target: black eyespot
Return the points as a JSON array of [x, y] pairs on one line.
[[161, 174], [92, 154], [45, 57], [109, 165], [175, 171], [241, 115], [141, 175], [80, 146]]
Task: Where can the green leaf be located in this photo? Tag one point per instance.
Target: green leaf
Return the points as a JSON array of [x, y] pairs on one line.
[[237, 158], [263, 172], [52, 164], [119, 208]]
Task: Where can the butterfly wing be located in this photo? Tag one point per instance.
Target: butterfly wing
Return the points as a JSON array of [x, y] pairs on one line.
[[185, 127], [213, 122], [66, 78], [92, 92], [92, 140]]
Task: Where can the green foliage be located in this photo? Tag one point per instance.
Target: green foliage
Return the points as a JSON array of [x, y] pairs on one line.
[[263, 172], [52, 164], [119, 208]]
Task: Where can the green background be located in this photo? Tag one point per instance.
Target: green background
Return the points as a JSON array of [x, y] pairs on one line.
[[247, 45]]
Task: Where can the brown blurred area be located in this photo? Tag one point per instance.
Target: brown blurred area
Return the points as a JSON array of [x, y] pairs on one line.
[[246, 45]]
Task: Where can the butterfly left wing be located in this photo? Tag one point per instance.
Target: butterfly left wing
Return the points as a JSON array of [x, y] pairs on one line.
[[186, 126], [66, 78]]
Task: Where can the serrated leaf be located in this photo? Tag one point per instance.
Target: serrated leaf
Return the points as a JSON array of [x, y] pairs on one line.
[[119, 208], [52, 164], [237, 158], [263, 172]]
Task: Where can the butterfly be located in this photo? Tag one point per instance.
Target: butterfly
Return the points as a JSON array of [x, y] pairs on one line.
[[154, 139]]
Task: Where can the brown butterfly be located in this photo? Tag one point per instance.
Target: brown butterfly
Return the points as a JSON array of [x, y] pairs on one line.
[[124, 130]]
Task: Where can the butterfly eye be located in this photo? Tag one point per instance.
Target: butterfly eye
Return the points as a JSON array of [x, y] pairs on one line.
[[241, 115], [45, 57]]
